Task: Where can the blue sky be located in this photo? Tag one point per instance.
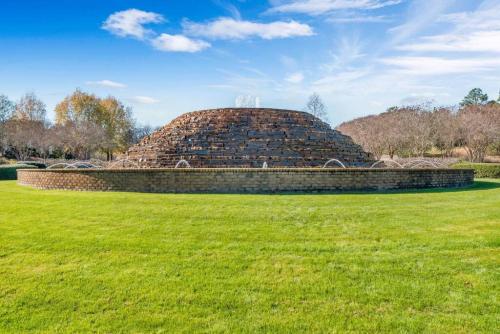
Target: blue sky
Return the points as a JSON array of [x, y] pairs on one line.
[[167, 57]]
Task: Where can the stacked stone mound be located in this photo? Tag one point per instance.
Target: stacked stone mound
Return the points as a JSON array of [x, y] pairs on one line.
[[247, 137]]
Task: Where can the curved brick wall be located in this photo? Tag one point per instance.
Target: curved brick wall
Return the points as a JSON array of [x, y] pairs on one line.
[[247, 137], [244, 180]]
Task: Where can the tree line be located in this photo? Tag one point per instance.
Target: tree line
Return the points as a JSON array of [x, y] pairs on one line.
[[85, 125], [414, 130]]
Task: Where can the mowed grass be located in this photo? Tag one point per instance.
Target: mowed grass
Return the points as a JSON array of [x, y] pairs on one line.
[[407, 262]]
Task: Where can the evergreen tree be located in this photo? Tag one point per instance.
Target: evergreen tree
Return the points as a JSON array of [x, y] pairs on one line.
[[475, 97]]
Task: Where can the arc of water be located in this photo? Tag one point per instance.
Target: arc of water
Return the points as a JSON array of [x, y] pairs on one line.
[[336, 161], [420, 162], [183, 162], [123, 162], [78, 164], [424, 163], [386, 161], [58, 164], [81, 165], [264, 165]]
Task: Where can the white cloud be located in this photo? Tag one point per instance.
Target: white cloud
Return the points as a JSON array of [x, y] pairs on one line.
[[295, 78], [348, 51], [359, 19], [143, 100], [106, 83], [477, 31], [479, 41], [422, 14], [317, 7], [342, 78], [250, 81], [228, 28], [130, 23], [439, 66], [232, 9], [178, 43], [288, 61], [484, 18]]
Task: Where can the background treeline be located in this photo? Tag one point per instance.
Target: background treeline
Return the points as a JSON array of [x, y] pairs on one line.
[[413, 131], [85, 126]]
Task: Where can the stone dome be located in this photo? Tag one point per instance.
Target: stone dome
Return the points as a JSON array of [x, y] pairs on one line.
[[247, 137]]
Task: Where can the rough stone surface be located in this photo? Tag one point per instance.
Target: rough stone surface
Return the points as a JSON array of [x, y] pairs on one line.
[[247, 137], [206, 180]]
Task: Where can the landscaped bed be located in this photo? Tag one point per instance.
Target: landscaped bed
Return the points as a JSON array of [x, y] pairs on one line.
[[424, 261]]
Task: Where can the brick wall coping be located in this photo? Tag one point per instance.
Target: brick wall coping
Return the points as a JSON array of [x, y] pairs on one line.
[[243, 170]]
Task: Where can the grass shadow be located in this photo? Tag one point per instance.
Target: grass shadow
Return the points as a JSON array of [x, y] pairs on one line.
[[484, 184], [478, 185]]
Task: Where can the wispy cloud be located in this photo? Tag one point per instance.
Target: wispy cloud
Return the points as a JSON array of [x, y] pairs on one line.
[[417, 21], [348, 50], [341, 78], [483, 18], [130, 23], [439, 66], [229, 7], [478, 41], [248, 81], [357, 18], [106, 83], [178, 43], [143, 100], [317, 7], [477, 31], [295, 78], [229, 28]]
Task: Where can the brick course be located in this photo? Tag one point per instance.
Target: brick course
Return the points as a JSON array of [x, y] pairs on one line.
[[241, 180]]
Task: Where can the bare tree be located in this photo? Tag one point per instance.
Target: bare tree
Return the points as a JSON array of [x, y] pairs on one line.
[[30, 108], [416, 122], [79, 139], [22, 136], [479, 128], [45, 140], [368, 132], [445, 133], [141, 132], [406, 131], [316, 107]]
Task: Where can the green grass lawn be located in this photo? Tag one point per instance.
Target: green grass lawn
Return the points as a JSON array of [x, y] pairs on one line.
[[406, 262]]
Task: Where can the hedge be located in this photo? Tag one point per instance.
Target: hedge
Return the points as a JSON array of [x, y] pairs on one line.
[[487, 170], [9, 172], [37, 164]]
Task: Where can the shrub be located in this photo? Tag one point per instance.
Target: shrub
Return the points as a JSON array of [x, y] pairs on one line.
[[481, 169], [37, 164], [9, 172]]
